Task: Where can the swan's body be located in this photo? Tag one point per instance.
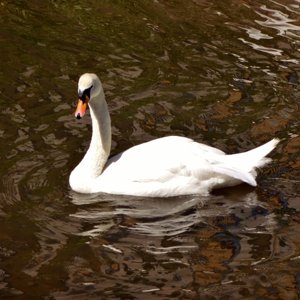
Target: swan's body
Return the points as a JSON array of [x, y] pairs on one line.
[[164, 167]]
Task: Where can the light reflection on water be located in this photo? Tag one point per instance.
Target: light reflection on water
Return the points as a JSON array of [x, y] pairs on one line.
[[231, 81], [279, 21], [173, 231], [166, 217]]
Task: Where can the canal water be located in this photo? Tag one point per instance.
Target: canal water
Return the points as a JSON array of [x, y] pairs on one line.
[[225, 73]]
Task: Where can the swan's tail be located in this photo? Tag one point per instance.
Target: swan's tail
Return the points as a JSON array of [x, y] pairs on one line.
[[242, 166]]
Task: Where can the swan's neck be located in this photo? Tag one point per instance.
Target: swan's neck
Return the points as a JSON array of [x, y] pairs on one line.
[[95, 158]]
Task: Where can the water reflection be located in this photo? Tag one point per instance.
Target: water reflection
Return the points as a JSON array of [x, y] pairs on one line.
[[156, 217], [172, 217], [261, 48], [279, 20], [147, 241]]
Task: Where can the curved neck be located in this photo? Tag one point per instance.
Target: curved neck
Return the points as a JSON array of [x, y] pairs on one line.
[[95, 158]]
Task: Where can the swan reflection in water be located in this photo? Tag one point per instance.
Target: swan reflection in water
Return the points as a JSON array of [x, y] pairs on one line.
[[161, 217], [200, 238]]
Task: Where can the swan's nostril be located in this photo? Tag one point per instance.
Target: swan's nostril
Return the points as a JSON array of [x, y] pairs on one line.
[[78, 116]]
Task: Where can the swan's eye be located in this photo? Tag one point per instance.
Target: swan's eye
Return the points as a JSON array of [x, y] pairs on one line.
[[83, 95]]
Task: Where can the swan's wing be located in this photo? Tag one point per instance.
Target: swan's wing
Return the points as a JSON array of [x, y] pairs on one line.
[[163, 160]]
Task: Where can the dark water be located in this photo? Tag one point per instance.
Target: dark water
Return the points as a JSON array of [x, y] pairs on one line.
[[222, 72]]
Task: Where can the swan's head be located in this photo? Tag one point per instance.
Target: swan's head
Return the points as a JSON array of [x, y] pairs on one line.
[[89, 86]]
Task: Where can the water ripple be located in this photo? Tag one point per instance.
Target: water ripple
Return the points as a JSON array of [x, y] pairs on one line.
[[163, 217], [281, 22], [272, 51]]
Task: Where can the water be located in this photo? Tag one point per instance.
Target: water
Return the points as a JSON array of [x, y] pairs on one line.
[[223, 73]]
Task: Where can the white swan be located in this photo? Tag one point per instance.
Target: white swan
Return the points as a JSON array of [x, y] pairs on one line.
[[164, 167]]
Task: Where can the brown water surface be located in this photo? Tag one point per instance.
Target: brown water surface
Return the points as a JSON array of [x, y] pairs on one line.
[[225, 73]]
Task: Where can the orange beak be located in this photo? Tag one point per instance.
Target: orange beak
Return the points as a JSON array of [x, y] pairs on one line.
[[81, 108]]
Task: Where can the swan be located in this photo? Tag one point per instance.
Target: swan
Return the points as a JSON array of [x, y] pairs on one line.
[[164, 167]]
